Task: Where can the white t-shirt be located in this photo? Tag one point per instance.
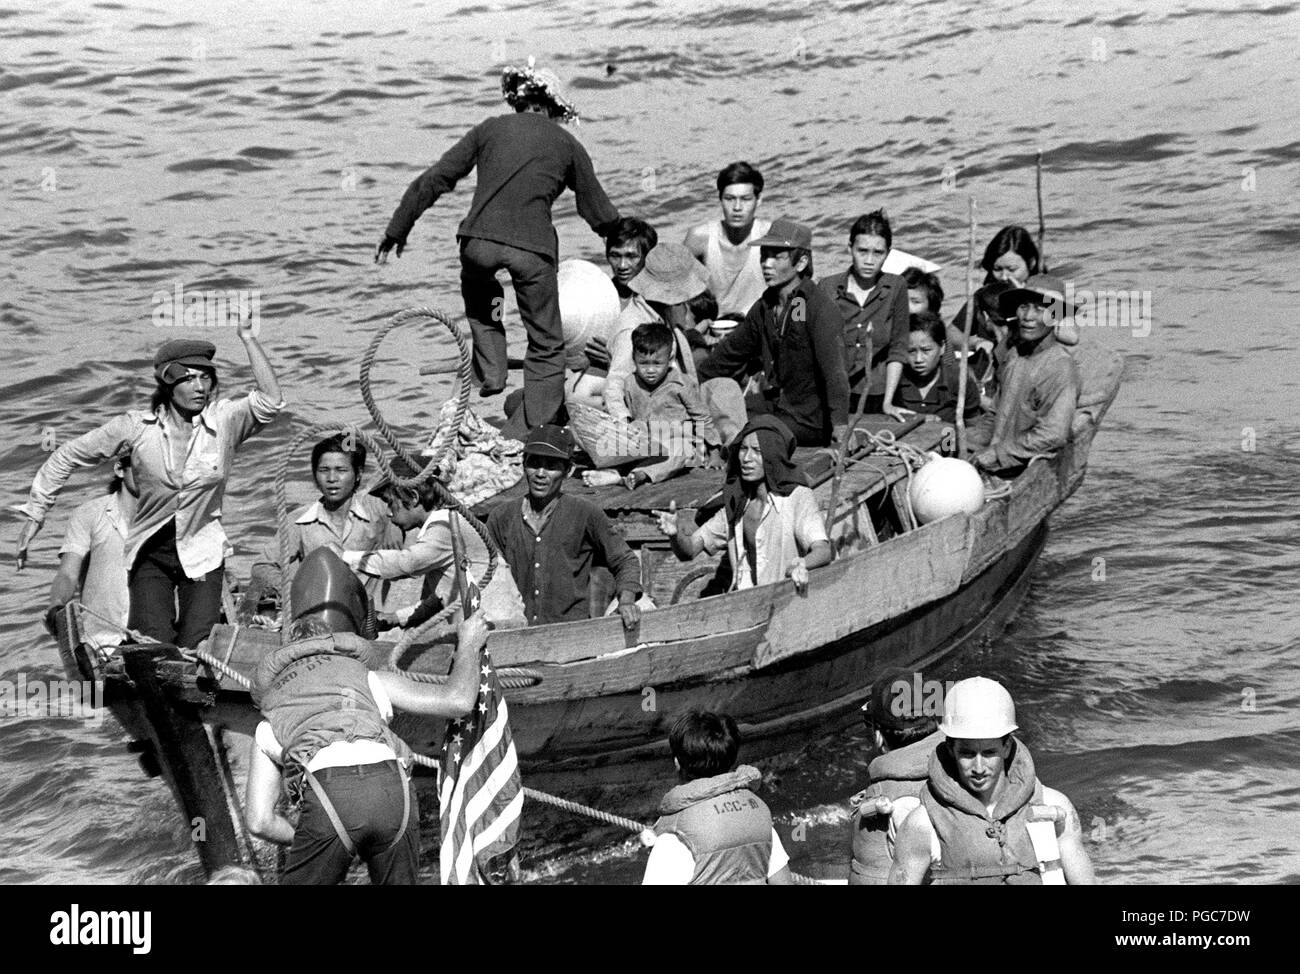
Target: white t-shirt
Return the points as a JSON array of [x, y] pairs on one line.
[[671, 862], [340, 754]]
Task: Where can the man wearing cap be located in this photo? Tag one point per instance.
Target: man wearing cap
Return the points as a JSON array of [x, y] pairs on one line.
[[524, 162], [724, 247], [1039, 387], [903, 737], [794, 335], [182, 451], [669, 277], [551, 540], [985, 818]]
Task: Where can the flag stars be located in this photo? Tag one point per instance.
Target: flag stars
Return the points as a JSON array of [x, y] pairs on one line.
[[482, 707], [483, 688]]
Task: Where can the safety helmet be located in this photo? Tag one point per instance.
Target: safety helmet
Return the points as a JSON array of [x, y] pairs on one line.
[[978, 708]]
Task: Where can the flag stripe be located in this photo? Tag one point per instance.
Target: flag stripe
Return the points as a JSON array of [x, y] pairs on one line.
[[480, 794]]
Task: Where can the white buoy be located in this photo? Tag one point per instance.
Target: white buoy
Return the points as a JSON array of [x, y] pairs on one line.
[[945, 486], [588, 307]]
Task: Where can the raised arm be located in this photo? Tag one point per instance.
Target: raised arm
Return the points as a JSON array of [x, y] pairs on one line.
[[263, 373]]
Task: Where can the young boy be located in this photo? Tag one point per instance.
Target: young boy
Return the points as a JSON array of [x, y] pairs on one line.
[[669, 402], [431, 554], [340, 519], [712, 829]]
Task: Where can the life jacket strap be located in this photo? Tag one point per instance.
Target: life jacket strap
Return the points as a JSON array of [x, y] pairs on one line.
[[337, 822]]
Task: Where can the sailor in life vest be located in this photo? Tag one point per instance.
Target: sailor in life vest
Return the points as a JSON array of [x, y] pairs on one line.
[[904, 736], [326, 720], [712, 829], [984, 818]]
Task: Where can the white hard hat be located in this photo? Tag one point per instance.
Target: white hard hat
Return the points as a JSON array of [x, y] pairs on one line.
[[978, 708]]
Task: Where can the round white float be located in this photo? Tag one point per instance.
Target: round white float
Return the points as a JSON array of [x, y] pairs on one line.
[[945, 486]]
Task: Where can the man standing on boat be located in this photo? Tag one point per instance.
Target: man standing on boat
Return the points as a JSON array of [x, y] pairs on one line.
[[524, 162], [724, 246], [985, 818]]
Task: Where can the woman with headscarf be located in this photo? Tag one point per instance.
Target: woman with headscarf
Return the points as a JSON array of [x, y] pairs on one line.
[[769, 523]]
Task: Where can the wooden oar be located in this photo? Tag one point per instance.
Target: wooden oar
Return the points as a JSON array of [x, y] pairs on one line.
[[965, 336], [1042, 227]]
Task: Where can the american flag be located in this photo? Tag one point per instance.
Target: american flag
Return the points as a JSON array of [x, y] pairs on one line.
[[480, 795]]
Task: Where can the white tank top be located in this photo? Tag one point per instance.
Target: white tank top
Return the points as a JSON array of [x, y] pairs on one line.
[[735, 276]]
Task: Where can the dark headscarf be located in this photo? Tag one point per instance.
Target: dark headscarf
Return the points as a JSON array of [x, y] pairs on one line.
[[779, 470]]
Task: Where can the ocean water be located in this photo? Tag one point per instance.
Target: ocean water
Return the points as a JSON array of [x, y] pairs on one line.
[[257, 147]]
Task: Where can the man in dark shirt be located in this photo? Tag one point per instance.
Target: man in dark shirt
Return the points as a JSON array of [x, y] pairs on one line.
[[551, 540], [794, 335], [524, 162]]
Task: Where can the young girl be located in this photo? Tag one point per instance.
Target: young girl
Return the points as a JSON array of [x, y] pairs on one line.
[[930, 376]]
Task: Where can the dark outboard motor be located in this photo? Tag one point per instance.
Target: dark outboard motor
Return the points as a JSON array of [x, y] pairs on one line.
[[325, 588]]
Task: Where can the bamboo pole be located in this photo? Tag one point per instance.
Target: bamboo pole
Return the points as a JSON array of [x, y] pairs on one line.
[[1042, 227], [965, 336]]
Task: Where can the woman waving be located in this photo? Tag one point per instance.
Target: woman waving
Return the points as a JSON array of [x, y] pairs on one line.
[[182, 450]]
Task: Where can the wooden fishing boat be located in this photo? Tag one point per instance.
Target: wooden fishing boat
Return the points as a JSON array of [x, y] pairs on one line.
[[592, 703]]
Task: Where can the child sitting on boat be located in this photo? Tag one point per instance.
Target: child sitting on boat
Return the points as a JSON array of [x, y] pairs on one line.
[[931, 373], [769, 524], [667, 401], [340, 519], [431, 554], [713, 830]]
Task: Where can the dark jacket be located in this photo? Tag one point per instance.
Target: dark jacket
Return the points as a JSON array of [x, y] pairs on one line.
[[877, 328], [524, 162], [801, 354]]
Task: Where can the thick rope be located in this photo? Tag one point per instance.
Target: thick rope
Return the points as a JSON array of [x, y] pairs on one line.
[[444, 440]]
